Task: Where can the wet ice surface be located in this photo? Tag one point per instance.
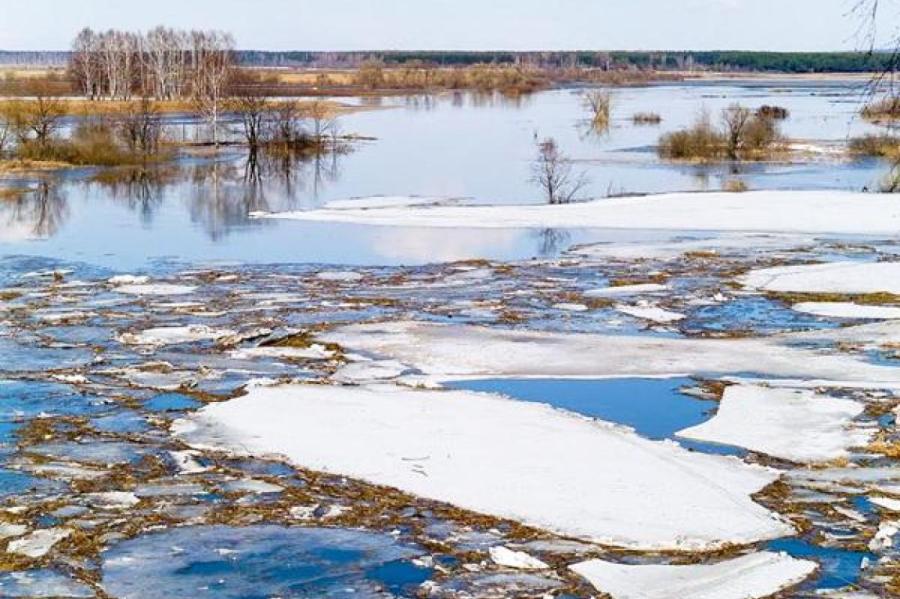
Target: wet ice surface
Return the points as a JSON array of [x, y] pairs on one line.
[[261, 561], [838, 567]]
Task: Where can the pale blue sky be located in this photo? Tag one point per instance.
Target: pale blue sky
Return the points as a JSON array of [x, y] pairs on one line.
[[457, 24]]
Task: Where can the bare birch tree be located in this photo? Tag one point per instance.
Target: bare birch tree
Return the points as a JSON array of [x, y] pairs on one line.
[[552, 171]]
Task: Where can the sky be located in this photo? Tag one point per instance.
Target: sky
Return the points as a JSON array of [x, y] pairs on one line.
[[813, 25]]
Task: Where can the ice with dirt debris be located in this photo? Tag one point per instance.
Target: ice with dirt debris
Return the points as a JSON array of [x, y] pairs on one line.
[[851, 278]]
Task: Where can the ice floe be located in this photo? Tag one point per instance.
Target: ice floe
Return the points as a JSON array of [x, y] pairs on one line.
[[651, 313], [793, 424], [174, 335], [848, 310], [760, 211], [523, 461], [746, 577], [626, 290], [155, 289], [830, 277], [38, 543], [446, 352], [519, 560]]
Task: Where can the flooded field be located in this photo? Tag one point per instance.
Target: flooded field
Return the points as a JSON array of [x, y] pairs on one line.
[[215, 385], [479, 148]]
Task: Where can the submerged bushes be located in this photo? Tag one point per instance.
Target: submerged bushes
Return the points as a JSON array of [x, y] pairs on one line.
[[701, 141], [778, 113], [880, 146], [507, 79], [744, 135], [887, 109], [646, 118], [36, 125]]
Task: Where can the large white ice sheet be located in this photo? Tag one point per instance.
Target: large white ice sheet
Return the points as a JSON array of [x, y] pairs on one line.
[[524, 461]]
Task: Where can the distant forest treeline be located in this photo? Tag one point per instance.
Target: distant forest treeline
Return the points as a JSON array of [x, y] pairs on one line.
[[787, 62]]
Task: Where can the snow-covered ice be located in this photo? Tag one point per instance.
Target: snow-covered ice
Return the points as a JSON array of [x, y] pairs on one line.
[[155, 289], [174, 335], [651, 313], [38, 543], [524, 461], [793, 424], [848, 310], [446, 352], [746, 577], [830, 277], [759, 211], [519, 560], [625, 290]]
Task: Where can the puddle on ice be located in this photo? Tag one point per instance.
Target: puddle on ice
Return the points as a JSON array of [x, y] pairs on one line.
[[837, 567], [758, 314], [27, 399], [121, 422], [171, 402], [16, 483], [655, 408], [15, 357], [41, 583], [261, 561]]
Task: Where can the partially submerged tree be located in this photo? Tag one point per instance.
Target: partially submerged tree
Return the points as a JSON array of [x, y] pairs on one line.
[[599, 104], [552, 171], [35, 122], [735, 120], [141, 127], [214, 63]]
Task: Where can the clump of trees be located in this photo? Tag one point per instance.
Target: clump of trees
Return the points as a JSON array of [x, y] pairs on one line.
[[285, 128], [164, 63], [779, 113], [743, 135], [420, 76], [34, 127], [553, 173], [646, 118]]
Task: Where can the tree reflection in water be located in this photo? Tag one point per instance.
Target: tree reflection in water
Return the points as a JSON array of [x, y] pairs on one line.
[[37, 213], [141, 189], [552, 241], [224, 195]]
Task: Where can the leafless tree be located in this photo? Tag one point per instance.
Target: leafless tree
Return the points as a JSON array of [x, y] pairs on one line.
[[322, 122], [599, 104], [163, 63], [735, 120], [214, 65], [34, 121], [286, 124], [253, 110], [141, 127], [552, 171]]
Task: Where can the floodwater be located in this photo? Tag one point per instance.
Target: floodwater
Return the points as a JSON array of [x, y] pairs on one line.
[[261, 562], [655, 408], [85, 414], [451, 145]]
